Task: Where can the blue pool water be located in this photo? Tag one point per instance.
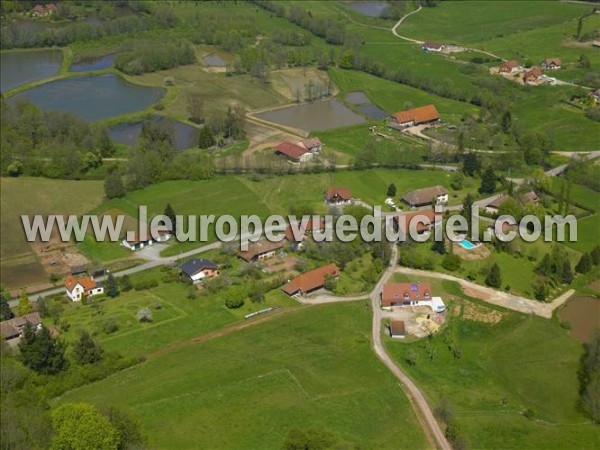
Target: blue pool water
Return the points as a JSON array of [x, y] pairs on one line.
[[466, 244]]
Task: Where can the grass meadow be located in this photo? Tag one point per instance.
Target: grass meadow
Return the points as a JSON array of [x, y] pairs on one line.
[[519, 363], [313, 368]]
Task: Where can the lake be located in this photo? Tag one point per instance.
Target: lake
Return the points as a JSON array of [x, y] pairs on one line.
[[316, 116], [93, 63], [17, 68], [186, 136], [93, 97], [373, 9], [583, 313]]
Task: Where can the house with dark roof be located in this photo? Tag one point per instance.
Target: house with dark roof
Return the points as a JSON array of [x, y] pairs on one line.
[[509, 66], [310, 281], [551, 63], [397, 329], [427, 114], [263, 249], [77, 288], [410, 294], [336, 196], [156, 235], [494, 205], [427, 196], [196, 270], [433, 47], [11, 330], [293, 152]]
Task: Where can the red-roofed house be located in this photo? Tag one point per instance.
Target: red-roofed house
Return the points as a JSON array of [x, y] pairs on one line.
[[311, 226], [533, 76], [313, 145], [551, 63], [416, 116], [76, 288], [433, 47], [422, 220], [311, 280], [43, 10], [410, 294], [293, 152], [509, 66], [335, 196]]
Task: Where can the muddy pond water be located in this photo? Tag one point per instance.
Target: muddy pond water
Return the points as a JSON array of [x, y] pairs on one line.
[[583, 313]]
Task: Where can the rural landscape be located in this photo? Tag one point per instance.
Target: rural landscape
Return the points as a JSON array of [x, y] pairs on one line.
[[417, 112]]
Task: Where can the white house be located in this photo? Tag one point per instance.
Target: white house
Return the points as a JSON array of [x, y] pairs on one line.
[[77, 288], [410, 294], [12, 330], [294, 152], [313, 145], [158, 234]]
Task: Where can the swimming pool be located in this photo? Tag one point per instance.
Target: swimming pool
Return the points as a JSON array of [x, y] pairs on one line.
[[467, 245]]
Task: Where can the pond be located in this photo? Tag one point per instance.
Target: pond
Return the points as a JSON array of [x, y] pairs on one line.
[[93, 97], [93, 63], [214, 60], [17, 68], [373, 9], [372, 111], [186, 136], [316, 116], [583, 313]]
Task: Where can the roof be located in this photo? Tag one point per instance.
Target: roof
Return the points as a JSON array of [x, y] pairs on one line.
[[291, 150], [398, 292], [12, 328], [552, 61], [424, 196], [397, 328], [86, 282], [405, 220], [311, 280], [157, 230], [195, 265], [422, 114], [433, 45], [530, 197], [512, 64], [258, 248], [536, 72], [311, 142], [498, 201], [310, 227], [338, 192]]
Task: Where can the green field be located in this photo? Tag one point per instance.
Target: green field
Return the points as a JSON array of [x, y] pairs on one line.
[[522, 362], [311, 369]]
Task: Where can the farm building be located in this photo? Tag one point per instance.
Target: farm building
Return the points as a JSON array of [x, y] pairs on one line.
[[422, 221], [12, 329], [530, 197], [427, 114], [427, 196], [311, 227], [410, 294], [260, 250], [596, 95], [551, 63], [397, 329], [156, 235], [197, 269], [494, 206], [311, 280], [313, 145], [433, 47], [509, 66], [335, 196], [77, 288], [533, 76], [43, 10], [293, 152]]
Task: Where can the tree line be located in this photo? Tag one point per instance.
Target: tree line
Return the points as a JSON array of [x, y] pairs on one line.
[[150, 55]]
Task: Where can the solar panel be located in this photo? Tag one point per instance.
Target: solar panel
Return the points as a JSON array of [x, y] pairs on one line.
[[414, 287]]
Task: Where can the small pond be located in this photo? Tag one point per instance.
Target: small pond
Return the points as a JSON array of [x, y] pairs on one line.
[[316, 116], [214, 60], [372, 111], [93, 63], [186, 136], [93, 97], [373, 9], [17, 68], [583, 313]]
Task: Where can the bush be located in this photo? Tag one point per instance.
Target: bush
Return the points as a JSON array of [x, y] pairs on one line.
[[451, 262], [144, 315], [234, 302], [145, 284], [110, 326]]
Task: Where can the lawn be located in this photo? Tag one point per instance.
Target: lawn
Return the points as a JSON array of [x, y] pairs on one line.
[[522, 362], [311, 369]]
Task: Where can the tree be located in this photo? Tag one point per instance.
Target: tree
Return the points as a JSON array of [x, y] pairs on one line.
[[540, 290], [113, 185], [129, 429], [439, 246], [471, 164], [567, 273], [80, 426], [391, 190], [195, 107], [329, 283], [86, 350], [467, 209], [42, 307], [310, 439], [5, 311], [206, 138], [579, 27], [125, 283], [40, 352], [170, 213], [585, 263], [506, 122], [595, 254], [451, 262], [488, 182], [104, 143], [584, 62], [457, 181], [494, 278], [112, 289], [234, 302], [25, 305]]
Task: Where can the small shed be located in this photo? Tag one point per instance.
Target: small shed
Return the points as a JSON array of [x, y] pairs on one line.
[[397, 329]]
